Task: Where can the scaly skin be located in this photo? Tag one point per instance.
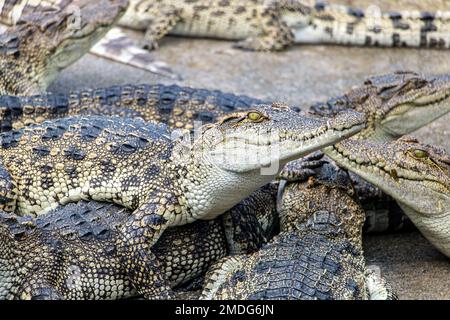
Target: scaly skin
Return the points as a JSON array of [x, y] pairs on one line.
[[115, 45], [382, 211], [275, 24], [252, 222], [317, 255], [178, 107], [394, 104], [47, 40], [166, 183], [417, 176], [73, 245], [12, 11], [70, 253]]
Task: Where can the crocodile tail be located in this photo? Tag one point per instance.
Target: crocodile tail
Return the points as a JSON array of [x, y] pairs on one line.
[[18, 112], [117, 46], [338, 24], [378, 287], [217, 276]]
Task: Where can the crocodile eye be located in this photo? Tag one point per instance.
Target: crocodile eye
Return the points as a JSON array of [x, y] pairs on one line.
[[389, 92], [255, 116], [230, 117], [420, 154], [419, 83]]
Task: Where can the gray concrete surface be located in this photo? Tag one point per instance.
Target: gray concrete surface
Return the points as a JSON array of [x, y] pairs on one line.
[[299, 76]]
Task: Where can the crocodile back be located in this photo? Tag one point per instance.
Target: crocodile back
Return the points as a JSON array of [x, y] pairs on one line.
[[178, 107]]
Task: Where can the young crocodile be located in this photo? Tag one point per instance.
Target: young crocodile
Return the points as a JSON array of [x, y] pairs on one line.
[[178, 107], [70, 253], [383, 214], [395, 104], [47, 39], [416, 175], [276, 24], [73, 246], [317, 255], [111, 159]]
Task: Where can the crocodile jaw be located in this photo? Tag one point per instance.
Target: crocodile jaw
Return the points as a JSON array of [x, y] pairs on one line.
[[426, 202], [425, 194], [56, 39], [263, 153], [230, 183], [436, 230], [411, 116], [68, 52]]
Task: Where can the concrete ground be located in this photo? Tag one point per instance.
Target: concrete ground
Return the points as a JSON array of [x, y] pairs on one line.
[[299, 76]]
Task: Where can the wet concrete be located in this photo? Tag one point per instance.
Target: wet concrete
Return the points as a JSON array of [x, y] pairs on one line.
[[299, 76]]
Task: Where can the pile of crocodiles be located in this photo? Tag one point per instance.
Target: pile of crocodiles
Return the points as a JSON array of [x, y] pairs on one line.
[[116, 192]]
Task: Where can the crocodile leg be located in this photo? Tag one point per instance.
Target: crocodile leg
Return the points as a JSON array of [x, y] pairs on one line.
[[145, 273], [167, 18], [252, 222], [218, 275], [301, 169], [275, 34], [140, 233]]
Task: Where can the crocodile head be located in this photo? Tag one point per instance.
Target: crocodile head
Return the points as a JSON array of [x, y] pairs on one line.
[[400, 103], [48, 40], [246, 150], [395, 104], [416, 175]]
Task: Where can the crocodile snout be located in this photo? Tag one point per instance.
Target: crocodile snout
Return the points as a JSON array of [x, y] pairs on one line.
[[347, 119]]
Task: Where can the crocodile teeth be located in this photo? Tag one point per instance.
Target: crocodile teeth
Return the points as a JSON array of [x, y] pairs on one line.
[[381, 164]]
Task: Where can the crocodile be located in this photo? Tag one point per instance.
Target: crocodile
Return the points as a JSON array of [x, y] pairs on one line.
[[268, 25], [395, 104], [383, 214], [178, 107], [416, 175], [113, 159], [45, 39], [73, 246], [317, 254], [115, 45]]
